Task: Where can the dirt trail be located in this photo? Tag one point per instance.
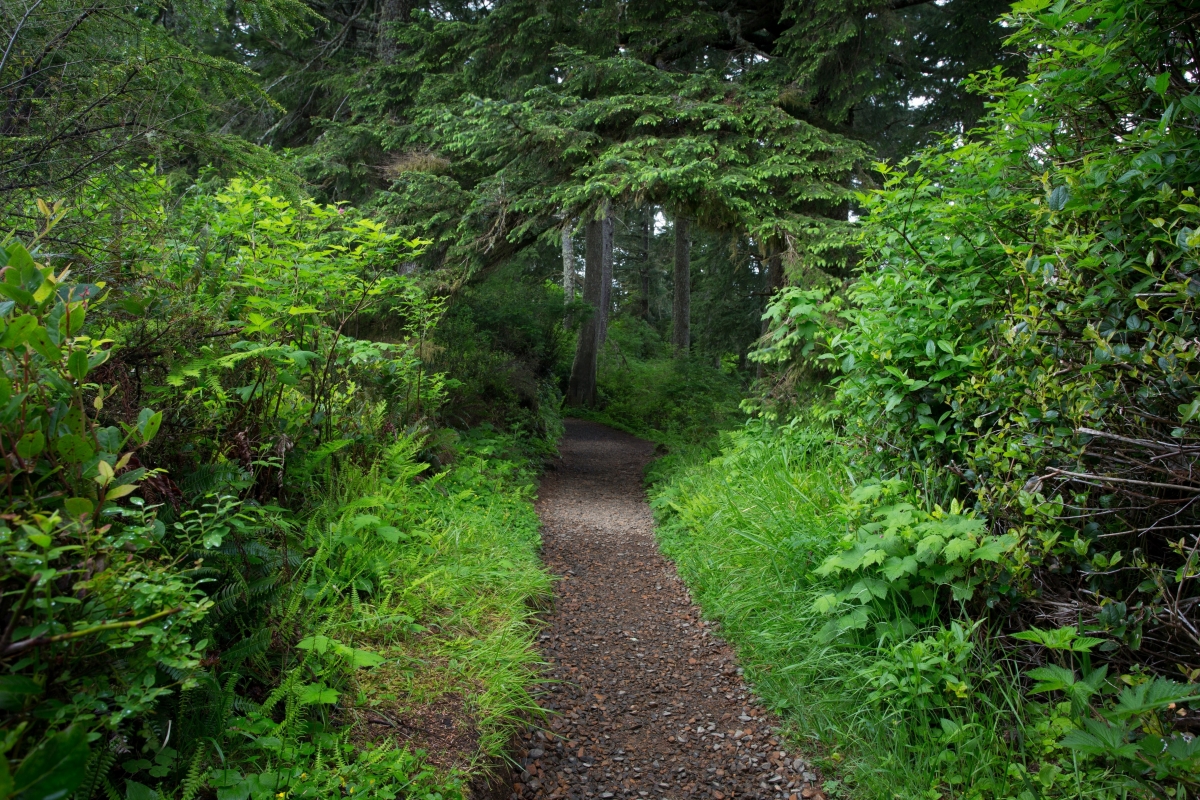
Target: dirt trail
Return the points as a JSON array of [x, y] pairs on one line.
[[648, 701]]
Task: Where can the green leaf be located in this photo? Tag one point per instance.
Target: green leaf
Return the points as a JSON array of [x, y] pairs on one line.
[[39, 340], [55, 768], [19, 259], [6, 781], [17, 331], [74, 449], [318, 693], [139, 791], [318, 643], [77, 364], [78, 507], [31, 445], [1059, 198], [15, 691], [365, 658], [389, 533], [148, 423]]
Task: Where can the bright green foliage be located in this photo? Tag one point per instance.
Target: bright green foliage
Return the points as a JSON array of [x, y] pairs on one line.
[[1018, 347], [1022, 333], [390, 557], [90, 579], [900, 557], [913, 705], [287, 557], [287, 285], [645, 390]]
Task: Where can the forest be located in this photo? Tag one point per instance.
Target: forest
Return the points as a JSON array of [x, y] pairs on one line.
[[296, 295]]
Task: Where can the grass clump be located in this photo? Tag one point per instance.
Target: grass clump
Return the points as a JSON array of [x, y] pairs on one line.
[[411, 633], [919, 703]]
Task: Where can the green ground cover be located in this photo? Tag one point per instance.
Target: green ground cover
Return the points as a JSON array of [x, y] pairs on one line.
[[750, 530]]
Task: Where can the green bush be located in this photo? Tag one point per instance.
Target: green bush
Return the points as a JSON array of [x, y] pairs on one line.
[[103, 602], [1017, 348], [914, 704], [228, 580]]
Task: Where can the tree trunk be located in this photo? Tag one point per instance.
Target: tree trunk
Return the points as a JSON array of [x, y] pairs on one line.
[[606, 276], [644, 267], [581, 391], [682, 310], [772, 282], [568, 257], [390, 12]]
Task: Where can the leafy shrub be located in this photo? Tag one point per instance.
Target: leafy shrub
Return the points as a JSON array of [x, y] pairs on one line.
[[1020, 336], [1017, 348], [102, 610], [900, 557]]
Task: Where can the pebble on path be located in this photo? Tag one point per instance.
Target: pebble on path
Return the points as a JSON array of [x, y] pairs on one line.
[[646, 700]]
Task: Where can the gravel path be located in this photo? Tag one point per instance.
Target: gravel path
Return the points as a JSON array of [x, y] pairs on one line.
[[646, 700]]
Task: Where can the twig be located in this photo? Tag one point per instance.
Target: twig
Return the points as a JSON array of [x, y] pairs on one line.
[[1162, 446], [16, 612], [25, 644], [1087, 476]]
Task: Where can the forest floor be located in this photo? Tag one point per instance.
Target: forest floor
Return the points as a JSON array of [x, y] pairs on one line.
[[646, 700]]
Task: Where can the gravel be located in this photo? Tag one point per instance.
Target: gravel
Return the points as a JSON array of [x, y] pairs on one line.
[[646, 700]]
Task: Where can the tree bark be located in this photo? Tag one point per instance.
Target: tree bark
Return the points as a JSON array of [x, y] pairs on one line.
[[682, 309], [644, 267], [581, 390], [568, 258], [606, 275], [772, 282], [390, 12]]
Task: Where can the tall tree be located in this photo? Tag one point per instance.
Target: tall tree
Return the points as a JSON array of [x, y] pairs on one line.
[[568, 264], [606, 276], [647, 223], [581, 390], [681, 316]]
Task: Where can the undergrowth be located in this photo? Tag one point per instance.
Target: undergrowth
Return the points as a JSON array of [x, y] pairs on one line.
[[417, 595], [644, 390], [920, 705]]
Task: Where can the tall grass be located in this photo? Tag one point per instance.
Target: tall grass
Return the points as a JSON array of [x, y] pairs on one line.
[[414, 606], [747, 530]]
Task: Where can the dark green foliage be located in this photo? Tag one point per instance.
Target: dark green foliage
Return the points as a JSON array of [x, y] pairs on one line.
[[504, 352], [87, 86], [1016, 351]]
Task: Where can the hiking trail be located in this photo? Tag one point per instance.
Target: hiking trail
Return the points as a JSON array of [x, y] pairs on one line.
[[646, 700]]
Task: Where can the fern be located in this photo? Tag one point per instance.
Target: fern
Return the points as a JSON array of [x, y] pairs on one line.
[[195, 775], [98, 766]]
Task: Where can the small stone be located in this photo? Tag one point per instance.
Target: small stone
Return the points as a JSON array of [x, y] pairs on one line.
[[537, 752], [809, 776], [808, 793]]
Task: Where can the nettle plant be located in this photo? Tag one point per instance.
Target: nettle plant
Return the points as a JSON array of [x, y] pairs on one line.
[[902, 563], [97, 612]]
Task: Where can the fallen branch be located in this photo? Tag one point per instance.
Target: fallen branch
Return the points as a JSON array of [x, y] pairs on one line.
[[1105, 478], [1164, 447]]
